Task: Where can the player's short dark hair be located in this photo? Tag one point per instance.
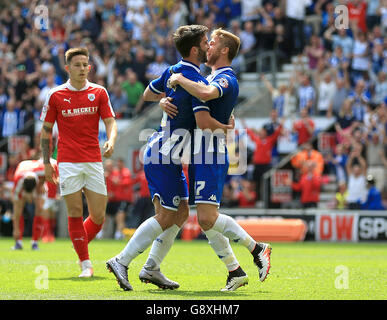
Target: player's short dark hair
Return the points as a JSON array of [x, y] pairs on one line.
[[186, 37], [70, 53], [29, 184], [229, 40]]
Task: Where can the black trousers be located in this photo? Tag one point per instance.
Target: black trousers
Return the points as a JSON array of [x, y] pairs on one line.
[[259, 170]]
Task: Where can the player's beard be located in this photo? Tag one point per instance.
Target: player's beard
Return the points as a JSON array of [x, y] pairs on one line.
[[202, 56], [214, 57]]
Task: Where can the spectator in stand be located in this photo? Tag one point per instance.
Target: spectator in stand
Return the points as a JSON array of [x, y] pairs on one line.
[[341, 39], [246, 196], [373, 17], [229, 196], [382, 11], [155, 69], [270, 128], [90, 26], [299, 160], [309, 185], [360, 55], [338, 162], [346, 123], [304, 127], [139, 65], [295, 15], [250, 10], [341, 93], [374, 198], [377, 57], [356, 172], [341, 196], [263, 150], [374, 146], [326, 92], [339, 63], [10, 119], [120, 101], [134, 90], [306, 94], [314, 51], [125, 195], [280, 97], [248, 42], [360, 100], [13, 161], [379, 87], [265, 28], [357, 10], [25, 151]]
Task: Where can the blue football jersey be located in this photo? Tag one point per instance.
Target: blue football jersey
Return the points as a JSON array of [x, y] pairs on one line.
[[210, 158], [225, 80], [186, 104], [162, 155]]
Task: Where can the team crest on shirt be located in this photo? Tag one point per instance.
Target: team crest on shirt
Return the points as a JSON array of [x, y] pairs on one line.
[[91, 96], [45, 108], [223, 82], [176, 200]]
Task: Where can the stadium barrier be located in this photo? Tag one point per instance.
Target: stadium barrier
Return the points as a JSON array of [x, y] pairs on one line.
[[277, 230], [317, 225]]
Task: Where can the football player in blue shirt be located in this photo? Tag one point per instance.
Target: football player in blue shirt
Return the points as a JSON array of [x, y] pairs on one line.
[[222, 93], [162, 155]]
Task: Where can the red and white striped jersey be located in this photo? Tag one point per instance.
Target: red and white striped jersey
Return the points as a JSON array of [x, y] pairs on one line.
[[29, 168], [77, 114]]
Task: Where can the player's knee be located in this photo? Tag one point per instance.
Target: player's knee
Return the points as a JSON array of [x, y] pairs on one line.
[[207, 215], [75, 210], [206, 221]]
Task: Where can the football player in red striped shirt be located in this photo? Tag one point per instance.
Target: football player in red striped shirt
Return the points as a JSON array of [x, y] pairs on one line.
[[28, 187], [77, 107]]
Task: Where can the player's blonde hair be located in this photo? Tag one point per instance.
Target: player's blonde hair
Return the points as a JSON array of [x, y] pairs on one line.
[[70, 53], [229, 40]]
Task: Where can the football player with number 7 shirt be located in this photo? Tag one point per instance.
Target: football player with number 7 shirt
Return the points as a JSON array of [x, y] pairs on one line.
[[77, 107]]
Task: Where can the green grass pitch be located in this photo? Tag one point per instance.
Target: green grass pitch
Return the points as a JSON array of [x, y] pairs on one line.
[[300, 271]]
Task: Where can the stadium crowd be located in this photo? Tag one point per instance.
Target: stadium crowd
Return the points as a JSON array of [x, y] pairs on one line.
[[130, 42]]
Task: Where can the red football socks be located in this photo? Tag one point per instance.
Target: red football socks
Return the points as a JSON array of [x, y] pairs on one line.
[[91, 228], [37, 228], [78, 237]]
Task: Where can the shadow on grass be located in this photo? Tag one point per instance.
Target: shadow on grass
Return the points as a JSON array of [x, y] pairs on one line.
[[209, 293], [94, 278]]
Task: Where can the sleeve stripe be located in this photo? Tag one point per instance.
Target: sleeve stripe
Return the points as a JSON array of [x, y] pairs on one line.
[[110, 105], [219, 88], [201, 107], [153, 88]]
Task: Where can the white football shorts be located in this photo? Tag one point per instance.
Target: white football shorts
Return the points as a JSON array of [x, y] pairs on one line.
[[76, 176], [50, 204]]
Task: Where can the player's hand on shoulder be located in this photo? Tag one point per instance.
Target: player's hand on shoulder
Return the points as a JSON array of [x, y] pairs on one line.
[[174, 79], [169, 108], [109, 149]]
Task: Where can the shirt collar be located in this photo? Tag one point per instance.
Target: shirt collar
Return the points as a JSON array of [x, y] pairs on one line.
[[218, 71], [190, 64], [70, 87]]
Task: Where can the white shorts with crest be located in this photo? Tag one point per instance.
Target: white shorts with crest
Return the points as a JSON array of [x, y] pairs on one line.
[[76, 176]]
